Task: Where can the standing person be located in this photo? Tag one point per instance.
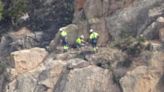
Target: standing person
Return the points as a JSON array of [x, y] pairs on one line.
[[63, 37], [93, 39], [80, 41]]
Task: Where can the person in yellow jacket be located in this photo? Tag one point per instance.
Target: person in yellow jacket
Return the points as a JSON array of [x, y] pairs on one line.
[[63, 37], [80, 41], [93, 39]]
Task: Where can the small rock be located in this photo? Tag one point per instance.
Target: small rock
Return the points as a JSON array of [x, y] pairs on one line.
[[77, 63]]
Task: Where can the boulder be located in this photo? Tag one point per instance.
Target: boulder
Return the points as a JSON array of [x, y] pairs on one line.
[[50, 77], [28, 59], [24, 38], [21, 33], [147, 77], [40, 79], [132, 20], [46, 77], [141, 79], [88, 79], [72, 31], [25, 82]]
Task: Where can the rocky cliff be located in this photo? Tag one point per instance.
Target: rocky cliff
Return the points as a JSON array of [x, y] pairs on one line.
[[31, 58]]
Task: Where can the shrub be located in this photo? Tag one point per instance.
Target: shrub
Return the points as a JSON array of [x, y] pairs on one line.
[[1, 9], [17, 8]]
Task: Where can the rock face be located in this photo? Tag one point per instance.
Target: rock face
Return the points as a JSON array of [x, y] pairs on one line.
[[110, 69], [56, 75], [145, 78], [132, 20], [140, 79], [24, 38], [69, 72], [96, 80], [117, 19], [161, 34], [106, 58], [26, 60]]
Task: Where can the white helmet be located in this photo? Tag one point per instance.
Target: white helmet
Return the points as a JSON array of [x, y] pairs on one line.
[[61, 29], [141, 35], [160, 19], [82, 36], [91, 30]]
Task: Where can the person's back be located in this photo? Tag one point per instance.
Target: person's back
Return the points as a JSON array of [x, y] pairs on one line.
[[93, 39], [94, 35]]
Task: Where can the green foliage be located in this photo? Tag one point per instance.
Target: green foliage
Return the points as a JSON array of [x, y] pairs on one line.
[[17, 8], [1, 9], [130, 45]]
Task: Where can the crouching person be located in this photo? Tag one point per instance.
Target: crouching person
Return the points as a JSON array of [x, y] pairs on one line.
[[80, 41]]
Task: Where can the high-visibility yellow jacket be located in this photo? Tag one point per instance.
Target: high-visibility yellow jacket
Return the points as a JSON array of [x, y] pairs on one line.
[[79, 40], [63, 34], [93, 35]]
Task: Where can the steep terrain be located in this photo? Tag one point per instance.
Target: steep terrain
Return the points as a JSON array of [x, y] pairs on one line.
[[31, 58]]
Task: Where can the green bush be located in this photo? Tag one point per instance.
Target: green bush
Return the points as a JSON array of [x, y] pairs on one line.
[[17, 8], [1, 9]]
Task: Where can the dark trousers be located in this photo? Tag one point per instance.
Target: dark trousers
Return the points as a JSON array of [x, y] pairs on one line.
[[78, 45], [64, 42], [94, 42]]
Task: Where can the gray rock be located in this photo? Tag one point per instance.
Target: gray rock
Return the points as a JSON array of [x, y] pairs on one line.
[[89, 79], [2, 82], [132, 20], [140, 79], [77, 63], [106, 58]]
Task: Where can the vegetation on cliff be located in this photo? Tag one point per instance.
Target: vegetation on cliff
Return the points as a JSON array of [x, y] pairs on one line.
[[1, 9]]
